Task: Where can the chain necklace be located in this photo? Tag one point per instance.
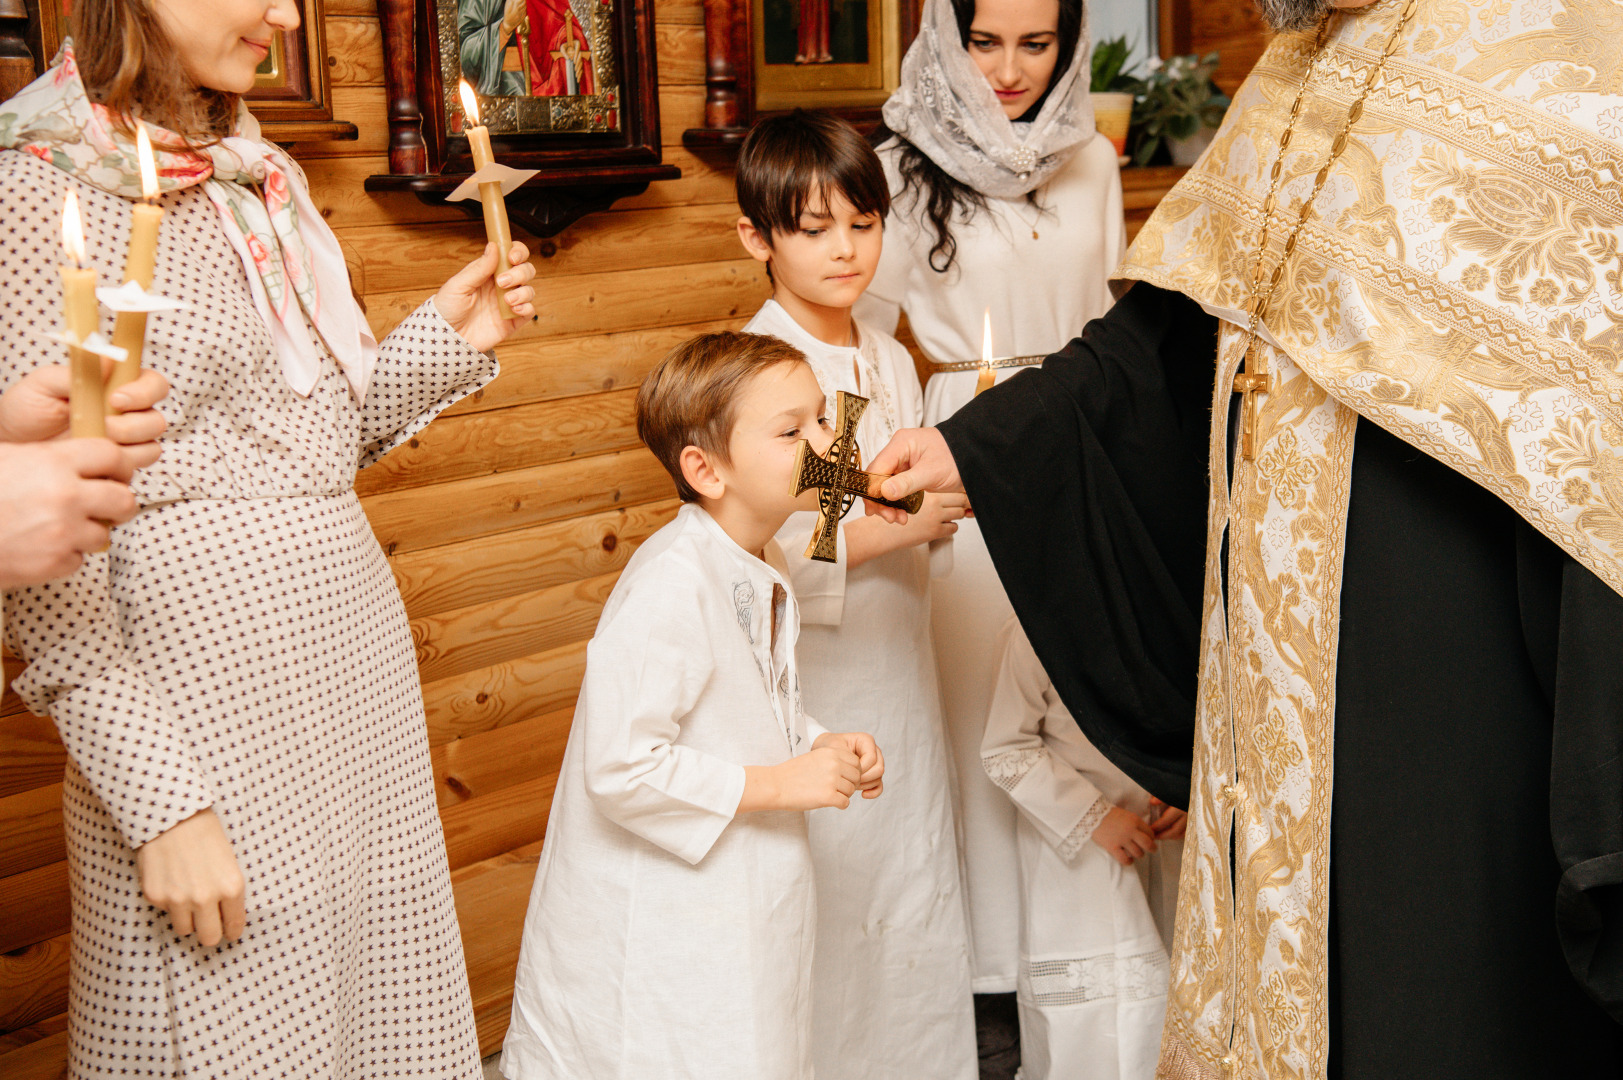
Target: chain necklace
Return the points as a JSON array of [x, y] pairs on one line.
[[1037, 216], [1254, 379]]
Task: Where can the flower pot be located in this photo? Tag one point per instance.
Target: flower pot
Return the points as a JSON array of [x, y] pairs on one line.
[[1188, 151], [1112, 113]]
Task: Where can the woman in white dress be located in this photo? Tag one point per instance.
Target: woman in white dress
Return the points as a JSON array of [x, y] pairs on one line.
[[1005, 205], [258, 872]]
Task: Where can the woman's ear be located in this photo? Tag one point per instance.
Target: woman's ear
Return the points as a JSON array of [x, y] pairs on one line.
[[759, 247], [701, 474]]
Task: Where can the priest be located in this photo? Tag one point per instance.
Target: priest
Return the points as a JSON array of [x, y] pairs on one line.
[[1319, 532]]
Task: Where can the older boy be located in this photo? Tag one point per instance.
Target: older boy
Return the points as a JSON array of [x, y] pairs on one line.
[[670, 930], [891, 983]]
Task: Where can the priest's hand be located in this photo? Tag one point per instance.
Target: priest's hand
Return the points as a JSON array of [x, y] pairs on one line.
[[191, 872], [827, 775], [920, 460], [869, 759], [1124, 835], [35, 409], [469, 300], [1171, 824]]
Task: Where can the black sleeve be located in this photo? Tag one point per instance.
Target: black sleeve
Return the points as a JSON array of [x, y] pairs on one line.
[[1586, 783], [1089, 479]]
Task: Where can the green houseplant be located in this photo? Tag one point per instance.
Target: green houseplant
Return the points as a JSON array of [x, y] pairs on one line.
[[1180, 104]]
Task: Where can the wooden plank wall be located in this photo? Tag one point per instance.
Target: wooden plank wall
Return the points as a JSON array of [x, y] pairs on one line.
[[1231, 28], [506, 521]]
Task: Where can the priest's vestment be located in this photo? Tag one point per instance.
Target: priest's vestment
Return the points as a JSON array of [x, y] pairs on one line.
[[1409, 591]]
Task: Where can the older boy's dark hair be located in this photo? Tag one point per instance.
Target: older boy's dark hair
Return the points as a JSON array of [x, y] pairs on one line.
[[799, 159], [691, 398]]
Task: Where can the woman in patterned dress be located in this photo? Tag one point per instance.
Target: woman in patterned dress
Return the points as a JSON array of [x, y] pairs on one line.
[[259, 878]]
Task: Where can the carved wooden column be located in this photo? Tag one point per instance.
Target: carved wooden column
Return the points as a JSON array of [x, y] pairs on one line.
[[729, 101], [727, 70], [16, 62], [408, 153]]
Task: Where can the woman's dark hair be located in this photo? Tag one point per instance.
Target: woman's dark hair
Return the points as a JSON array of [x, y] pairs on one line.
[[942, 195], [129, 65], [793, 161]]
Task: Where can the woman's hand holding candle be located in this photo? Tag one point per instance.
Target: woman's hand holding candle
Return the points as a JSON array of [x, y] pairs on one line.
[[471, 300]]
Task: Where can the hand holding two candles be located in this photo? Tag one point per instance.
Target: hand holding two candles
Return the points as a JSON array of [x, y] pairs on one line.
[[59, 496]]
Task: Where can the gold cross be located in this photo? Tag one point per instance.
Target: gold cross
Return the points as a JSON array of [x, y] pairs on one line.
[[1248, 384], [840, 478], [570, 52]]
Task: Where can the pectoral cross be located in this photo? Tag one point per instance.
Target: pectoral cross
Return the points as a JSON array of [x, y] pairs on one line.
[[840, 478], [1248, 384], [576, 59]]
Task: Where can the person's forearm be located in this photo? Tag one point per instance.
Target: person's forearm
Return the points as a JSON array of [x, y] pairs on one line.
[[762, 789], [870, 537]]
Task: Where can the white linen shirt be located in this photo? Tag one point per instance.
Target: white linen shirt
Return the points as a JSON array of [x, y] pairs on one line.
[[666, 936]]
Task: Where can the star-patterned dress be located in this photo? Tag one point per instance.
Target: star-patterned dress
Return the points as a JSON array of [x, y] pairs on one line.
[[242, 646]]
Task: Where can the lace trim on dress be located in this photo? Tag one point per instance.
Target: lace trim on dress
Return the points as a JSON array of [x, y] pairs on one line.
[[1078, 981], [1007, 769], [1083, 831]]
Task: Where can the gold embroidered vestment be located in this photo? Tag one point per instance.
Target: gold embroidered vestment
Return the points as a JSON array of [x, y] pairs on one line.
[[1459, 282]]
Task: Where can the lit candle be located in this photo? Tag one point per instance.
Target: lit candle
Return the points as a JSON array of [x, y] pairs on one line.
[[86, 395], [130, 329], [988, 374], [496, 228]]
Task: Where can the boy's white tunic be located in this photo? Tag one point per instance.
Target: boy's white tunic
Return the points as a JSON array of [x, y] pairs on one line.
[[665, 937], [1093, 963], [1039, 291], [891, 985]]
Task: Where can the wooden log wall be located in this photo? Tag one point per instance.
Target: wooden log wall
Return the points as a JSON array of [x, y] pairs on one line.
[[506, 521], [1231, 28]]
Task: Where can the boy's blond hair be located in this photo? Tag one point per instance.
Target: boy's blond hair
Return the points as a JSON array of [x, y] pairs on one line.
[[691, 398]]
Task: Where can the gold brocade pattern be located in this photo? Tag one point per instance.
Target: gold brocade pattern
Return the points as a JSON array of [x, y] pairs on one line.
[[1460, 283]]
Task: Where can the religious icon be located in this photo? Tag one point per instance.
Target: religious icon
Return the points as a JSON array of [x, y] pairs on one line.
[[526, 48], [548, 63], [824, 53], [840, 479], [815, 31]]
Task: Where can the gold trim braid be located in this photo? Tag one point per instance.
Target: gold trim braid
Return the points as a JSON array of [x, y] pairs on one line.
[[995, 363]]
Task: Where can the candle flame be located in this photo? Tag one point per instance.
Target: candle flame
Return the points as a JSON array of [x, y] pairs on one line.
[[470, 103], [986, 339], [73, 233], [149, 165]]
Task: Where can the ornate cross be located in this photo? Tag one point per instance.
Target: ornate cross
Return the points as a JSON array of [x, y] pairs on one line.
[[1248, 384], [579, 60], [840, 478]]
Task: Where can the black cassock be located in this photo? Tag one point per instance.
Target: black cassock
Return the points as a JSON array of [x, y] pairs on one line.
[[1476, 871]]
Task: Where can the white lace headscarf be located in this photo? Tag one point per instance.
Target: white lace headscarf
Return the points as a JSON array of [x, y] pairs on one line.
[[946, 108]]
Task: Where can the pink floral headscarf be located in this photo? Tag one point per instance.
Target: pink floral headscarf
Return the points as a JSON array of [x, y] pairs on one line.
[[295, 268]]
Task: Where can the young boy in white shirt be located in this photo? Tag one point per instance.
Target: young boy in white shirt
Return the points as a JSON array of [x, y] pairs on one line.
[[670, 929], [1098, 884], [891, 981]]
